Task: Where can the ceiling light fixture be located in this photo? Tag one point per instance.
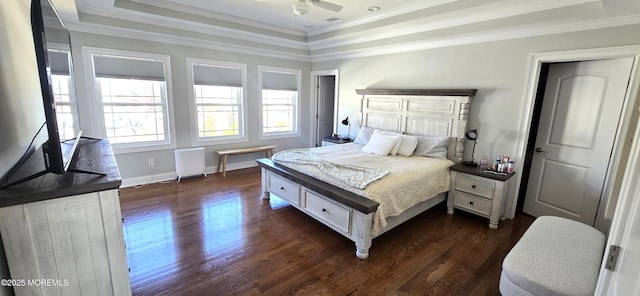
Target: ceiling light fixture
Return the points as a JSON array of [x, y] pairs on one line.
[[374, 8], [300, 7]]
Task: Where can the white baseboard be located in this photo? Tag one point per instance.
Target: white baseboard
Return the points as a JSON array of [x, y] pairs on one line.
[[168, 176]]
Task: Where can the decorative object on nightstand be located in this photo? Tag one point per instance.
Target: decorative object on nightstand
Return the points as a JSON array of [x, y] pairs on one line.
[[348, 123], [479, 192], [472, 135]]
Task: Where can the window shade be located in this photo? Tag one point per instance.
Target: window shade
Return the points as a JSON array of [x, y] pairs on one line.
[[59, 63], [219, 76], [279, 81], [120, 67]]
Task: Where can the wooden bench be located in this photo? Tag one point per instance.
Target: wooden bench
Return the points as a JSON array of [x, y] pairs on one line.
[[223, 154]]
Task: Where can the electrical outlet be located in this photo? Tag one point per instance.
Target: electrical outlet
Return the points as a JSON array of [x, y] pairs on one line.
[[152, 162]]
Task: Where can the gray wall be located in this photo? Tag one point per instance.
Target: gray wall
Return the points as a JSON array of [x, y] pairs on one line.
[[135, 165], [499, 70]]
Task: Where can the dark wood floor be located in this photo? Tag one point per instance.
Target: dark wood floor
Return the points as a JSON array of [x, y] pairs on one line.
[[216, 236]]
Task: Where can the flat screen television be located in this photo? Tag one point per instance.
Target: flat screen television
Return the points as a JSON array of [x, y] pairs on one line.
[[57, 154]]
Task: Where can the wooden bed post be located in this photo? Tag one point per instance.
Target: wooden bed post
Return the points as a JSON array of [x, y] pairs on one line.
[[265, 191], [363, 223], [463, 119]]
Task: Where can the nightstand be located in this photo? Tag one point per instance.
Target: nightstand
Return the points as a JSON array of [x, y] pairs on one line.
[[329, 141], [478, 192]]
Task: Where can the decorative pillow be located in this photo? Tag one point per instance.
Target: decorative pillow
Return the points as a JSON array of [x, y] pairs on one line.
[[432, 146], [380, 144], [364, 135], [395, 148], [408, 145]]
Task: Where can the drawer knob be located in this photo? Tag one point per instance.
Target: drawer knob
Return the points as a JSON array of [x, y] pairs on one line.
[[471, 203], [324, 210], [473, 186], [282, 188]]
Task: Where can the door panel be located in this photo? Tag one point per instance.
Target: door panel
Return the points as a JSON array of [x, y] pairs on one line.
[[579, 118], [575, 123], [563, 179]]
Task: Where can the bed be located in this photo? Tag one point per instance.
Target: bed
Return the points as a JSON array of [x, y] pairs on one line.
[[396, 188]]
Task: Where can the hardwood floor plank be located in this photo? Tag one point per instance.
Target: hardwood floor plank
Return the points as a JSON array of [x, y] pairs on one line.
[[216, 236]]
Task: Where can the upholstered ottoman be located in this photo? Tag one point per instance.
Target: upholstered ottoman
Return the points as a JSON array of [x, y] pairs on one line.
[[555, 256]]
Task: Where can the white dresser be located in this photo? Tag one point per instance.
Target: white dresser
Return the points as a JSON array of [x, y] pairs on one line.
[[62, 234]]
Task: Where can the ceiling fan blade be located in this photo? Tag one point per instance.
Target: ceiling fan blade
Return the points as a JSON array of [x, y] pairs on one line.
[[326, 5]]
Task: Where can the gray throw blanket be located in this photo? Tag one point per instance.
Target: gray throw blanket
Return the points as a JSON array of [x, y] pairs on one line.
[[355, 176]]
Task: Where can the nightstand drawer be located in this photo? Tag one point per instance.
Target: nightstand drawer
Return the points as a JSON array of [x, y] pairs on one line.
[[327, 212], [475, 186], [473, 203], [284, 188]]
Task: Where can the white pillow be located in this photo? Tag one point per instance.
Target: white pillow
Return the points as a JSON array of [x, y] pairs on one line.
[[395, 148], [380, 144], [408, 145], [364, 135], [432, 146]]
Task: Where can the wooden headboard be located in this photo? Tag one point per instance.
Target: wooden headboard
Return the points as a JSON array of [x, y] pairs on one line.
[[427, 112]]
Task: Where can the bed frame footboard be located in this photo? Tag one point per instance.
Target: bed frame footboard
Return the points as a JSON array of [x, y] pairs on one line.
[[345, 212]]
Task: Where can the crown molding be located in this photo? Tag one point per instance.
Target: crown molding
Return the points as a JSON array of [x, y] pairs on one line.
[[196, 27], [458, 18], [184, 41], [218, 16], [331, 47], [480, 37]]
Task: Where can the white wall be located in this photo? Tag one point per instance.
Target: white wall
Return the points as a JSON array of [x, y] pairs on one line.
[[134, 166], [499, 70], [19, 95]]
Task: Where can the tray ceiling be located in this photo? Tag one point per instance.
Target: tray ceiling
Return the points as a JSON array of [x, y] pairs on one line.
[[271, 26]]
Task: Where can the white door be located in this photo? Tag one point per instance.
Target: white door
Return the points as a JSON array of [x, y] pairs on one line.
[[579, 117], [326, 100], [625, 233]]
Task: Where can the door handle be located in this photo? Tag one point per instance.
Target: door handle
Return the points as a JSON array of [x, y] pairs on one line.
[[539, 150]]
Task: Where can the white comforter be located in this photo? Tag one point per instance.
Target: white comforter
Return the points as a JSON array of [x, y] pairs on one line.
[[411, 179]]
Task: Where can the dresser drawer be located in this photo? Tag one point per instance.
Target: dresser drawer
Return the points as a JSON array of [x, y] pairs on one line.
[[475, 186], [327, 211], [284, 188], [472, 203]]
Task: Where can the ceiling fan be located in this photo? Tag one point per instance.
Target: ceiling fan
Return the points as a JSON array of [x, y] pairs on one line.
[[301, 7]]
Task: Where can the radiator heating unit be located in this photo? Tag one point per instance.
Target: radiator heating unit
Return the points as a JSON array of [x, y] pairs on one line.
[[189, 162]]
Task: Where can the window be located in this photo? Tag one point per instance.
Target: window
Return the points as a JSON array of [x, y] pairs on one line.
[[279, 101], [217, 100], [133, 93], [133, 110], [63, 95]]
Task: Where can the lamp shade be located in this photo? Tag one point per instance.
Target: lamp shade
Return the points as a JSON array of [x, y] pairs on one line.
[[346, 121], [472, 135]]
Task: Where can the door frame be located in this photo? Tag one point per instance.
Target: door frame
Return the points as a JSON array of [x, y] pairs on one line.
[[314, 100], [624, 227], [535, 66]]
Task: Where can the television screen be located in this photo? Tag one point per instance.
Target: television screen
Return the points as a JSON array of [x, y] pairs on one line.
[[53, 52]]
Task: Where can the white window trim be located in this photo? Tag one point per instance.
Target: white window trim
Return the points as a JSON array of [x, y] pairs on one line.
[[296, 125], [73, 98], [244, 133], [97, 108]]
